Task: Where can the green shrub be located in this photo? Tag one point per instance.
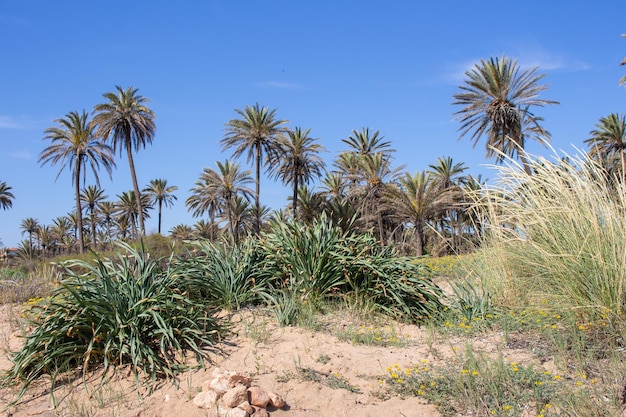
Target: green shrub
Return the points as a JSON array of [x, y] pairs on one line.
[[321, 260], [123, 312]]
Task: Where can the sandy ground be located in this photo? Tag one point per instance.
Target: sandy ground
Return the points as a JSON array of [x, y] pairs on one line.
[[273, 356]]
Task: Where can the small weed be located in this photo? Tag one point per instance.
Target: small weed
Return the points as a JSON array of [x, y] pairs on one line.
[[323, 359], [334, 381], [373, 336]]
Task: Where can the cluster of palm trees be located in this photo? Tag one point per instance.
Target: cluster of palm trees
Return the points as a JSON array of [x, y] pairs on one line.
[[106, 220], [424, 211], [77, 142]]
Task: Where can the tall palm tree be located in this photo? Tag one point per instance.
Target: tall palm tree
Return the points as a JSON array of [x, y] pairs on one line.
[[129, 123], [75, 145], [107, 211], [447, 177], [608, 141], [254, 133], [61, 228], [218, 189], [6, 197], [298, 162], [30, 225], [496, 99], [92, 196], [376, 176], [204, 197], [160, 193]]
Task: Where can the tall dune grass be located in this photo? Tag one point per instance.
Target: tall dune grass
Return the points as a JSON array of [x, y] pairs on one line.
[[556, 238]]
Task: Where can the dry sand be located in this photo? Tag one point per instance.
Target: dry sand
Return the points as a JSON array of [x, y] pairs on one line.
[[273, 356]]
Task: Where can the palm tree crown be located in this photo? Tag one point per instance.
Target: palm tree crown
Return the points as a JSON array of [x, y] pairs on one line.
[[496, 100], [298, 162], [161, 193], [73, 145], [6, 197], [129, 123], [255, 132], [608, 140]]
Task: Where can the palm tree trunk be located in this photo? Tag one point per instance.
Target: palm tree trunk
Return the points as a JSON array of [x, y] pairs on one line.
[[79, 210], [160, 208], [257, 221], [419, 239], [133, 175], [295, 196]]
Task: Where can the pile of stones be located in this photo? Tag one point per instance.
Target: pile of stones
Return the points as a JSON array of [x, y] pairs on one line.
[[231, 394]]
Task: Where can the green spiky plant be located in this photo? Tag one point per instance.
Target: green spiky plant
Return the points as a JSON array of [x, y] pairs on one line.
[[304, 263], [223, 274], [123, 312]]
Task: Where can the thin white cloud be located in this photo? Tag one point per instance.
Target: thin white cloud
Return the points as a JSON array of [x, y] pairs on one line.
[[280, 84], [19, 122], [23, 155], [527, 57], [9, 122]]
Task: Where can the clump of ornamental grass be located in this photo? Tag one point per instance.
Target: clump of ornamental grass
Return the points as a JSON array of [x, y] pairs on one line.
[[557, 235], [19, 285], [123, 312]]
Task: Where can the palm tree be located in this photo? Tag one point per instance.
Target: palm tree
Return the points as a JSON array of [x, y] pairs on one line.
[[107, 211], [6, 197], [74, 144], [608, 141], [126, 208], [254, 133], [129, 123], [415, 202], [204, 197], [205, 230], [447, 177], [46, 239], [30, 225], [61, 228], [298, 162], [312, 204], [376, 175], [181, 232], [366, 143], [496, 100], [161, 193], [220, 187], [92, 196]]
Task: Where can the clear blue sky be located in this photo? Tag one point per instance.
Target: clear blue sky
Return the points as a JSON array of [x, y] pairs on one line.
[[331, 66]]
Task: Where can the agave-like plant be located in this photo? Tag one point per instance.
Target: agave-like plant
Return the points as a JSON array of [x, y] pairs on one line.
[[304, 262], [224, 275], [127, 311]]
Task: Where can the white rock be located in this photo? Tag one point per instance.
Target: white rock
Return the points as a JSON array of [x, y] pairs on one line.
[[205, 399], [236, 412]]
